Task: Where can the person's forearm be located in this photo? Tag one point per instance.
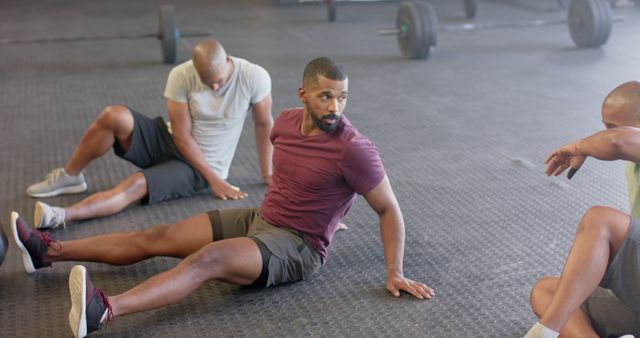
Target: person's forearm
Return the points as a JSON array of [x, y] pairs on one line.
[[191, 152], [264, 148], [611, 144], [392, 233]]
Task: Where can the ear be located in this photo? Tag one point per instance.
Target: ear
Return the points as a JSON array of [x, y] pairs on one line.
[[301, 95]]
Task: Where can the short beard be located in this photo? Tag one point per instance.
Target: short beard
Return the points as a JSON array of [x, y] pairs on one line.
[[317, 121]]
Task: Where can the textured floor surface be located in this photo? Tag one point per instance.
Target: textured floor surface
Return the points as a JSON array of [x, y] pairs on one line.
[[463, 136]]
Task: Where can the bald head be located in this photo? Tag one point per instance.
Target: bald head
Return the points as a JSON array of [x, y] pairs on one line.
[[210, 61], [622, 106]]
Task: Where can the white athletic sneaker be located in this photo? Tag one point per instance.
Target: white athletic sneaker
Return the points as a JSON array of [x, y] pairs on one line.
[[58, 183], [45, 216]]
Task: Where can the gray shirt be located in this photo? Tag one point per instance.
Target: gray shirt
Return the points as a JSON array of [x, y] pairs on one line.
[[217, 117]]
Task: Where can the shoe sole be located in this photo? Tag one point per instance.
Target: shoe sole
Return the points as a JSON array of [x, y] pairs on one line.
[[75, 189], [78, 291], [26, 258], [38, 218]]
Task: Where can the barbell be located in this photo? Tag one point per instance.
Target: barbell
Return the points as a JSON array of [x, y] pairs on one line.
[[332, 9], [168, 33], [470, 8], [589, 21]]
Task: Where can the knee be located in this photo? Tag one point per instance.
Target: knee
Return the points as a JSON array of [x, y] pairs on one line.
[[544, 286], [541, 293], [150, 238], [136, 185], [114, 117], [207, 263], [597, 221]]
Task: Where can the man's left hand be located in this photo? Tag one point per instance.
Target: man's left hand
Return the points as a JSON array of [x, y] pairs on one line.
[[419, 290]]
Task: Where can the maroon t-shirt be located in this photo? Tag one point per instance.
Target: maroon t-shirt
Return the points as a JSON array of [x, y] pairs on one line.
[[316, 178]]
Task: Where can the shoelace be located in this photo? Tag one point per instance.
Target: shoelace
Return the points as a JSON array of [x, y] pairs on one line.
[[53, 176], [44, 236], [58, 218], [105, 301]]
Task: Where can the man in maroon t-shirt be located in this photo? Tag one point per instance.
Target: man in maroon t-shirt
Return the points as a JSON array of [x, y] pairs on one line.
[[320, 162]]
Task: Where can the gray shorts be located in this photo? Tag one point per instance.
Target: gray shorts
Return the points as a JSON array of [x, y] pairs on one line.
[[614, 308], [286, 256], [609, 316], [167, 173]]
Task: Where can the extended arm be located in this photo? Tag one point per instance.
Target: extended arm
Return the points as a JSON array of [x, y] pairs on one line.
[[384, 203], [189, 148], [263, 122], [622, 143]]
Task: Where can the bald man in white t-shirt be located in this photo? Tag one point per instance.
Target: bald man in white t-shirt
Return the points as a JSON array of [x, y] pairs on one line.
[[208, 99]]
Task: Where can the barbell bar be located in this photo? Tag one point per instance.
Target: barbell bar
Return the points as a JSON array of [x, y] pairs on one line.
[[470, 8], [589, 22], [332, 9], [168, 33]]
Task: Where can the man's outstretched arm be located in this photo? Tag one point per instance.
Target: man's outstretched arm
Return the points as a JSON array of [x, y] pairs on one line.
[[189, 148], [621, 143], [384, 203], [263, 122]]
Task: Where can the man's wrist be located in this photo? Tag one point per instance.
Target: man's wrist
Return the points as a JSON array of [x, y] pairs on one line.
[[577, 148], [394, 273], [213, 180]]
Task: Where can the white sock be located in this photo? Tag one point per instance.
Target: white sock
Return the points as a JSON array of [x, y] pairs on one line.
[[63, 214], [540, 331], [66, 173]]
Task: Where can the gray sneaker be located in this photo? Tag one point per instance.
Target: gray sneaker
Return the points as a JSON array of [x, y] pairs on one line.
[[46, 216], [58, 183]]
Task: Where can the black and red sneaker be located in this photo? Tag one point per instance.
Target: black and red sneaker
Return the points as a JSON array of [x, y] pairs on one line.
[[33, 244], [90, 307]]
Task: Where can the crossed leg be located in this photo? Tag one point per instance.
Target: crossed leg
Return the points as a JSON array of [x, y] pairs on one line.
[[235, 260], [115, 123], [556, 300]]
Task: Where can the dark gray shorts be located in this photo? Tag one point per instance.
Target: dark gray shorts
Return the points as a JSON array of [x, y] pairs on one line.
[[286, 256], [609, 316], [614, 307], [167, 173]]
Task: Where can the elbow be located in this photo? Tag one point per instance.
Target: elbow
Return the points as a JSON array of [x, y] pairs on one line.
[[622, 144], [617, 143], [180, 142], [265, 125]]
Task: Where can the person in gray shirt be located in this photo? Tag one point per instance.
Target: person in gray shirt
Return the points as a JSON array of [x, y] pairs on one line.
[[208, 99], [598, 294]]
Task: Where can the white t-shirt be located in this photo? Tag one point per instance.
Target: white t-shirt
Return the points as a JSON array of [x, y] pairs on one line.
[[632, 171], [217, 117]]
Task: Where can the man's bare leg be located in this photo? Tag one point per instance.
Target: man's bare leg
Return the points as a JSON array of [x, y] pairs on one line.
[[109, 202], [236, 260], [578, 325], [175, 240], [114, 123], [599, 236]]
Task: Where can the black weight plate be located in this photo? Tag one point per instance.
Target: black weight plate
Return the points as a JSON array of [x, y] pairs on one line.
[[430, 28], [410, 23], [590, 22], [169, 34]]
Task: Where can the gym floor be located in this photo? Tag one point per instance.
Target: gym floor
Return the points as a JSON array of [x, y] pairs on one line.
[[463, 136]]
